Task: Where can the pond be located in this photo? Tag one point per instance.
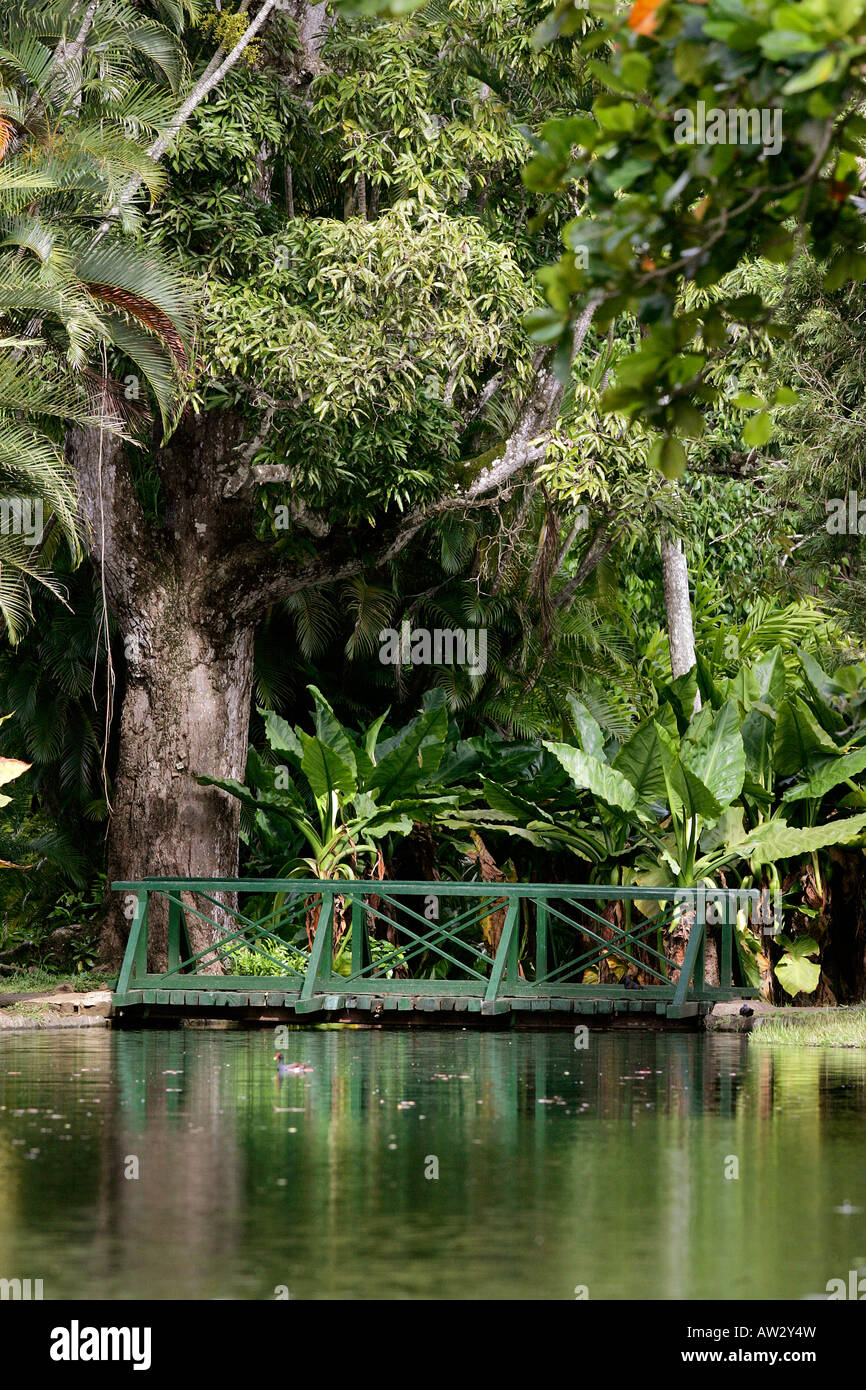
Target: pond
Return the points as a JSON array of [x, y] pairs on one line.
[[178, 1165]]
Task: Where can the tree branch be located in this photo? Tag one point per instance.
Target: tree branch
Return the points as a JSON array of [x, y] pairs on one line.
[[538, 414], [601, 544]]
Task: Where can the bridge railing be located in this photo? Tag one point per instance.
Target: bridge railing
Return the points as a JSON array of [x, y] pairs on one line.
[[494, 940]]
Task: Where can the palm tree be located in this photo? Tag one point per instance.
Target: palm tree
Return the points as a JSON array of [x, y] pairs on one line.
[[81, 300]]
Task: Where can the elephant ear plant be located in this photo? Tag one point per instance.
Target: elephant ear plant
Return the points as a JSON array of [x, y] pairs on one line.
[[751, 781], [663, 789], [341, 793]]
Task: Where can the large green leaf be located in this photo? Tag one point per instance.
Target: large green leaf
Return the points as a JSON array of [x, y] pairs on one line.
[[800, 740], [680, 694], [717, 755], [758, 733], [459, 763], [795, 972], [588, 730], [776, 839], [827, 775], [823, 687], [652, 876], [727, 831], [400, 814], [325, 770], [771, 678], [744, 689], [709, 687], [685, 790], [281, 736], [640, 761], [330, 731], [371, 736], [505, 799], [413, 753], [590, 774]]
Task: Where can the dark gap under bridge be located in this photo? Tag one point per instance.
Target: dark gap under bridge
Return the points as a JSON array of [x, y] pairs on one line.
[[437, 952]]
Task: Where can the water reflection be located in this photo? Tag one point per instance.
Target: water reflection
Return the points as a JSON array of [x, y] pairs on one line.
[[557, 1166]]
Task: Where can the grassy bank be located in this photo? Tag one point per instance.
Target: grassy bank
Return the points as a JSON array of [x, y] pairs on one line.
[[36, 979], [840, 1027]]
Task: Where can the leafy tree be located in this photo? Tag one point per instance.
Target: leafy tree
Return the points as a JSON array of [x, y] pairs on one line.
[[347, 363], [680, 181]]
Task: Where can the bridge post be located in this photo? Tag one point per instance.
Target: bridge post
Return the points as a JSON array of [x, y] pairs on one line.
[[136, 947], [173, 933], [322, 947], [503, 951], [729, 919], [540, 938], [360, 941], [691, 955]]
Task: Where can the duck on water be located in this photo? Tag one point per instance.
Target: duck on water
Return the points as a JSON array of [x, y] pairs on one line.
[[290, 1068]]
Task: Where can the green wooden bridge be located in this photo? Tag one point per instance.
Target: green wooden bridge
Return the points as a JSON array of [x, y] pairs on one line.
[[394, 951]]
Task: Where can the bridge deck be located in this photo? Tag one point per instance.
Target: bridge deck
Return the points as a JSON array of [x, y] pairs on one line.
[[516, 951]]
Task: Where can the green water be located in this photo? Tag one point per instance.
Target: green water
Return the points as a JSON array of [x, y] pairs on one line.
[[558, 1167]]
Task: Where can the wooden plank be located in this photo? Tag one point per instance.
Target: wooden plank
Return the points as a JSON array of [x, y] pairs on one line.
[[461, 1004], [585, 1006], [311, 1005], [473, 1004], [688, 1010], [496, 1006], [604, 1006], [206, 999], [177, 996], [391, 1002], [334, 1001], [541, 1006], [148, 996], [404, 1002]]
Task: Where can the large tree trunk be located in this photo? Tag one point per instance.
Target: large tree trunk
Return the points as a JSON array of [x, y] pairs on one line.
[[188, 664], [185, 714]]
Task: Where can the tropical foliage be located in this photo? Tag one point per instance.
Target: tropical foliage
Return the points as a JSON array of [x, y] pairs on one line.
[[359, 257]]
